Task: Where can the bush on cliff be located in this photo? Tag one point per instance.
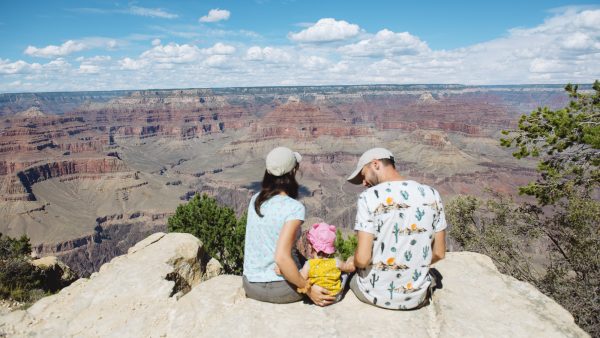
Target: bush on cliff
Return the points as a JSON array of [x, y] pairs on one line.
[[565, 220], [18, 277], [345, 247], [221, 232]]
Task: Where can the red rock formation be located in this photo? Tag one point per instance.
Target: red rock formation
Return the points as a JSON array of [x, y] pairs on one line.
[[18, 186], [304, 121]]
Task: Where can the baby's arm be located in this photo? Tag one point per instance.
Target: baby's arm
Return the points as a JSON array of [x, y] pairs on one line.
[[347, 266]]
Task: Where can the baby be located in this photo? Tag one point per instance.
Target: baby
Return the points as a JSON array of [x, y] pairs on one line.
[[322, 268]]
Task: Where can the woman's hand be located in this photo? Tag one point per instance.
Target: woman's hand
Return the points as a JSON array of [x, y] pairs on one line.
[[320, 296]]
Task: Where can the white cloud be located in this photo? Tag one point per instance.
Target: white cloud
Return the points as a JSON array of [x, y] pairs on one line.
[[17, 67], [131, 64], [215, 15], [588, 19], [326, 30], [314, 62], [540, 65], [53, 51], [579, 40], [340, 67], [563, 48], [151, 12], [72, 46], [155, 42], [89, 69], [59, 64], [386, 43], [267, 54], [172, 53], [111, 44], [97, 58], [220, 49], [216, 60]]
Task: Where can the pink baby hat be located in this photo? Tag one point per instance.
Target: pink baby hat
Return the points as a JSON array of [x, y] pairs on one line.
[[322, 237]]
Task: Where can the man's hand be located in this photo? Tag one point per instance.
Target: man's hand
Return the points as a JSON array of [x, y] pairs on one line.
[[349, 265]]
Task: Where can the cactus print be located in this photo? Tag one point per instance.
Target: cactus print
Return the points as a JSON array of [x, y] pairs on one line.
[[404, 195], [425, 252], [374, 279], [416, 275], [402, 216]]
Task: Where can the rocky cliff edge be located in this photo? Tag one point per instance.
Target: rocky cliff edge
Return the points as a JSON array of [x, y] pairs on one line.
[[161, 288]]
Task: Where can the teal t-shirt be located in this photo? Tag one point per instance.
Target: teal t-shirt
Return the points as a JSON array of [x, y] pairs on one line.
[[262, 234]]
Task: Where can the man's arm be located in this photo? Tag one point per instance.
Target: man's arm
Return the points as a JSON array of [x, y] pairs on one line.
[[438, 247], [364, 249]]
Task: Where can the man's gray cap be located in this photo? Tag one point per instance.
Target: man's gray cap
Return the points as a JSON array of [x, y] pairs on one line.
[[281, 161], [365, 158]]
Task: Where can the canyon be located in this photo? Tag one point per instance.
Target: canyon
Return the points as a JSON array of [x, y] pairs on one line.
[[87, 175]]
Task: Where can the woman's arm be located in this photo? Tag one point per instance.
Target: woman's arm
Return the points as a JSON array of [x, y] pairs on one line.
[[283, 253], [283, 258], [304, 270]]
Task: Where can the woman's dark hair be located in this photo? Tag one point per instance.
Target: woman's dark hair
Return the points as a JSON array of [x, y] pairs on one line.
[[274, 185]]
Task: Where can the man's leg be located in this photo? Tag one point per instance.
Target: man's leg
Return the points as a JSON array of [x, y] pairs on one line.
[[354, 287]]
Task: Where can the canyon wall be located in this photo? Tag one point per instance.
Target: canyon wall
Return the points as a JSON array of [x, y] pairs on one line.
[[70, 160]]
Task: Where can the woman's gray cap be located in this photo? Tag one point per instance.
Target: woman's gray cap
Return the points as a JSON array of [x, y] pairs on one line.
[[365, 158], [281, 161]]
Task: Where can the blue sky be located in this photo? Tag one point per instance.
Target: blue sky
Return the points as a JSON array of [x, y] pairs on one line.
[[102, 45]]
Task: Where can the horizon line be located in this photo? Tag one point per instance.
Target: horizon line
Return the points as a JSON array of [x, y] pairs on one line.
[[304, 86]]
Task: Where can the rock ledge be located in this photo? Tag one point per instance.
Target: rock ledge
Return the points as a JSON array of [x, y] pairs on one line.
[[145, 294]]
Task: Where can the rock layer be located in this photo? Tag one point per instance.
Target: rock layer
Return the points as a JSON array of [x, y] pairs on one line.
[[156, 291], [119, 153]]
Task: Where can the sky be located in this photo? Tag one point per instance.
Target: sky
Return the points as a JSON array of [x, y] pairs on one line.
[[65, 45]]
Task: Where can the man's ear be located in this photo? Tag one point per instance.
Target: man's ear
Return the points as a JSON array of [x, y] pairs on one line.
[[375, 164]]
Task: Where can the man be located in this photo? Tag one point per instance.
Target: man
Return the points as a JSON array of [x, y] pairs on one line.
[[400, 226]]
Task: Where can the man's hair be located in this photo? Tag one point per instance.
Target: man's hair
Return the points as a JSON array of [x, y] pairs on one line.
[[388, 161]]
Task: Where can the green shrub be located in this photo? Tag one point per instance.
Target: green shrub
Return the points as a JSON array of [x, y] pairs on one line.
[[216, 226], [12, 247], [18, 277], [345, 247]]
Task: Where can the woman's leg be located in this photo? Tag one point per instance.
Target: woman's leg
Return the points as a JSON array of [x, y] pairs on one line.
[[271, 292]]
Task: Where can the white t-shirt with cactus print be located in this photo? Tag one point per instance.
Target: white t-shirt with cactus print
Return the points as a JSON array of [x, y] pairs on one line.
[[403, 217]]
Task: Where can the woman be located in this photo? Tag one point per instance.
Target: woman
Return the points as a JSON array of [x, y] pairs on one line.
[[275, 218]]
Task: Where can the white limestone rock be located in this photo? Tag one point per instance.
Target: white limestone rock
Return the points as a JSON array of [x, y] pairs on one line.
[[131, 297]]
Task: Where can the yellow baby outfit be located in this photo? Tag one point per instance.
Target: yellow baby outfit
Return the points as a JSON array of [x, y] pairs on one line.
[[325, 273]]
